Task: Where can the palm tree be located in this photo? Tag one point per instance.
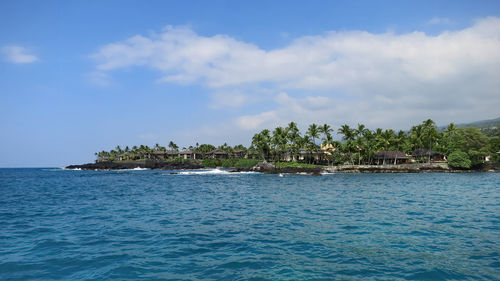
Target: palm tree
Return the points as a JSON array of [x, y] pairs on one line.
[[204, 149], [173, 146], [401, 141], [306, 143], [313, 132], [113, 155], [226, 148], [430, 135], [279, 140], [449, 137], [293, 136], [451, 130], [389, 139], [156, 147], [416, 134], [347, 132], [126, 153], [261, 141], [348, 140], [359, 142], [367, 143], [326, 131], [240, 150]]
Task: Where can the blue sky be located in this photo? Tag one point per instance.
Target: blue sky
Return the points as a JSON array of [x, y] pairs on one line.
[[80, 77]]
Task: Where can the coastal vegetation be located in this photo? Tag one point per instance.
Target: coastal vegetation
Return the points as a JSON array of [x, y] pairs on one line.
[[229, 163], [461, 147], [459, 159]]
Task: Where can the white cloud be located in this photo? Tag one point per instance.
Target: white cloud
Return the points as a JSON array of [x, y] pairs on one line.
[[384, 79], [332, 60], [253, 122], [17, 54]]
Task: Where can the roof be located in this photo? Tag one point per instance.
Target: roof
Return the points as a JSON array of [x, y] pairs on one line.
[[218, 151], [390, 155], [424, 152], [307, 152], [165, 152]]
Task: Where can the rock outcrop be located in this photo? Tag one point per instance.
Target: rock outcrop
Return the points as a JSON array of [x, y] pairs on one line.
[[161, 165], [402, 168], [264, 167]]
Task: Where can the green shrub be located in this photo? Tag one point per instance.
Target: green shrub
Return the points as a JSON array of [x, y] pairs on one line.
[[228, 163], [178, 160], [211, 163], [459, 159]]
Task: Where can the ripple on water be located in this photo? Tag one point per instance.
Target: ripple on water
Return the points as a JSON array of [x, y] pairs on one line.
[[76, 225]]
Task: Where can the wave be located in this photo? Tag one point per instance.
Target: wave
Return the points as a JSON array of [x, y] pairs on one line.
[[139, 169], [134, 169], [204, 172], [212, 172]]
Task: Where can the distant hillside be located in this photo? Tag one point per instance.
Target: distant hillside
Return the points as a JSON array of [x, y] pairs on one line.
[[489, 127]]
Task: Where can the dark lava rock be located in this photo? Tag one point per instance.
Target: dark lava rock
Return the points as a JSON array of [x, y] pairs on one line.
[[161, 165], [264, 167], [299, 170]]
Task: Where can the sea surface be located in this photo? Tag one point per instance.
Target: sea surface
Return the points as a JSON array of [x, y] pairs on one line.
[[214, 225]]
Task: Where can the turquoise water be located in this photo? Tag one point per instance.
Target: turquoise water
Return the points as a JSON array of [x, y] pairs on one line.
[[78, 225]]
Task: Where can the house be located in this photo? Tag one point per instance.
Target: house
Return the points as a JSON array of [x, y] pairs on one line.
[[165, 154], [390, 157], [218, 154], [424, 155], [310, 156], [239, 153], [305, 156], [190, 154], [253, 154]]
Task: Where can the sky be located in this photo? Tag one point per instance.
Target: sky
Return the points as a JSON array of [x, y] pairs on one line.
[[77, 77]]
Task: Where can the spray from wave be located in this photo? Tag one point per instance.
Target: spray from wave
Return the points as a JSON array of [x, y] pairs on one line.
[[212, 172]]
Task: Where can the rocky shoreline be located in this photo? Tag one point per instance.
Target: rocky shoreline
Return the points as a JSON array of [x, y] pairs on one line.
[[401, 168], [269, 168], [406, 168], [122, 165]]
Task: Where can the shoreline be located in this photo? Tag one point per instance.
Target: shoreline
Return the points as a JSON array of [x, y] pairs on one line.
[[147, 164], [269, 168]]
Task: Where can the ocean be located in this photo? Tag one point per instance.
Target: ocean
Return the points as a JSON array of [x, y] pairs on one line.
[[215, 225]]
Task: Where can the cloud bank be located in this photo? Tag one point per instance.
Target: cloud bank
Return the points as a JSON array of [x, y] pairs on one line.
[[17, 54], [350, 76]]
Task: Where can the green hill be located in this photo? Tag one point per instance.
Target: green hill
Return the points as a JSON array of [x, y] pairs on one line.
[[488, 127]]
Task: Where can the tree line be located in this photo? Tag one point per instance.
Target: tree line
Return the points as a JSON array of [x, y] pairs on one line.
[[467, 146], [358, 145]]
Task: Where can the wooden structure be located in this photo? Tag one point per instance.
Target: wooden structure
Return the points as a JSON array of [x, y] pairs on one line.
[[390, 157], [427, 155]]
